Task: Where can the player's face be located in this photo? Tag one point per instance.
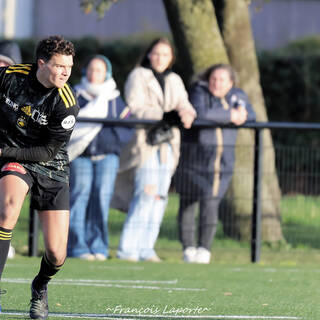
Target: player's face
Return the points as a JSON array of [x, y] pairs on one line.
[[56, 71], [220, 83], [96, 71], [160, 57]]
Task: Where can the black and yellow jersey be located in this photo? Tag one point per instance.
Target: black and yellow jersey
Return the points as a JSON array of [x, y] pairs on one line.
[[36, 122]]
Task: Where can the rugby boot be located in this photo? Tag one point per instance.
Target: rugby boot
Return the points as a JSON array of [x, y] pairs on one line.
[[39, 303]]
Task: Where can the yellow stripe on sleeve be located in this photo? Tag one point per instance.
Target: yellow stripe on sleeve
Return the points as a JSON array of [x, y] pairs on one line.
[[23, 65], [71, 94], [63, 97], [66, 94], [20, 66], [18, 71]]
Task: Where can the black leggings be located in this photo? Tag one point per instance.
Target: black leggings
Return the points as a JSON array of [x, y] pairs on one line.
[[208, 220]]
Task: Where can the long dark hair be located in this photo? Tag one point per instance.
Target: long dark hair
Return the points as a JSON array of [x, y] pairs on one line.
[[145, 62]]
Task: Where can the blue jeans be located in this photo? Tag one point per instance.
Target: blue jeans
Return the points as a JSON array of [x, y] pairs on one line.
[[146, 210], [91, 189]]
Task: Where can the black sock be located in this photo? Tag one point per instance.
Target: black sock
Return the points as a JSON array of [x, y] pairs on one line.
[[5, 238], [46, 273]]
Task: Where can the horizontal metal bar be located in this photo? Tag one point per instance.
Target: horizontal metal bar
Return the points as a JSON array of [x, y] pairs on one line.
[[208, 123]]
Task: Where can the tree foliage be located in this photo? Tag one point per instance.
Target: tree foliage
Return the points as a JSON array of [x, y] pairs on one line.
[[100, 6]]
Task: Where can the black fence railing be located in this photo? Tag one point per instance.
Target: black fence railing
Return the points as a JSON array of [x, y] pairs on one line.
[[258, 171]]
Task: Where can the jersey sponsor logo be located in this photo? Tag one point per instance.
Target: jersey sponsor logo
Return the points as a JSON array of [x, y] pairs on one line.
[[39, 117], [35, 115], [68, 122], [14, 166], [10, 103]]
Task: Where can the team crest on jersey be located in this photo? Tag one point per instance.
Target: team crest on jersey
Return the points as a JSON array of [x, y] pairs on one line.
[[21, 122]]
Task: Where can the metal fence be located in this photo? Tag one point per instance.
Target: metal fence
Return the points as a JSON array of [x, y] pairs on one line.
[[293, 169]]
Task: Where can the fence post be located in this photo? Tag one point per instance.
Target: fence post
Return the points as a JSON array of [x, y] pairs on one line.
[[33, 232], [257, 185]]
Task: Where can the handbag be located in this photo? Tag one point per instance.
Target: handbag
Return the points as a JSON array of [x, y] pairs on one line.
[[160, 133]]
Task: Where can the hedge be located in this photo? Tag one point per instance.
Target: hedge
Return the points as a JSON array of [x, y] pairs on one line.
[[290, 77]]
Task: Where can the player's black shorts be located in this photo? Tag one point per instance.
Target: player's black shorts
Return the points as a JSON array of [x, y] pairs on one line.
[[46, 193]]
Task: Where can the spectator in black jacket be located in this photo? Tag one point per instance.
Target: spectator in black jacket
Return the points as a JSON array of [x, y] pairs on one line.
[[9, 54], [94, 150], [207, 158]]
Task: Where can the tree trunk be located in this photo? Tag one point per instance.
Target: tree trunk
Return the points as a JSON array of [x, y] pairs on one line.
[[234, 21], [197, 36], [199, 44]]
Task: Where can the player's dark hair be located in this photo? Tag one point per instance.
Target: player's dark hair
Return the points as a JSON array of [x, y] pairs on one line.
[[50, 46]]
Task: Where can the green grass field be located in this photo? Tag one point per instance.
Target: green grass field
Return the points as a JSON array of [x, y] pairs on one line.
[[285, 284], [132, 290]]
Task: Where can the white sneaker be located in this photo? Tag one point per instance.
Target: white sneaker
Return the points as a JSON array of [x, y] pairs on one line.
[[86, 256], [189, 254], [130, 259], [11, 252], [202, 256], [154, 258], [100, 257]]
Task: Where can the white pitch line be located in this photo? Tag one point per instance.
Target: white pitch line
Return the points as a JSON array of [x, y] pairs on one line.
[[21, 265], [174, 281], [118, 267], [108, 285], [130, 317], [217, 317], [271, 270], [67, 315]]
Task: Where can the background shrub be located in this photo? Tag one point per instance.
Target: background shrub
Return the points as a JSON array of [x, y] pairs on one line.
[[290, 76]]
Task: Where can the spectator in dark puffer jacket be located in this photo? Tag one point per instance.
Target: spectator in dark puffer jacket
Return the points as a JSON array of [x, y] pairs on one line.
[[207, 158]]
